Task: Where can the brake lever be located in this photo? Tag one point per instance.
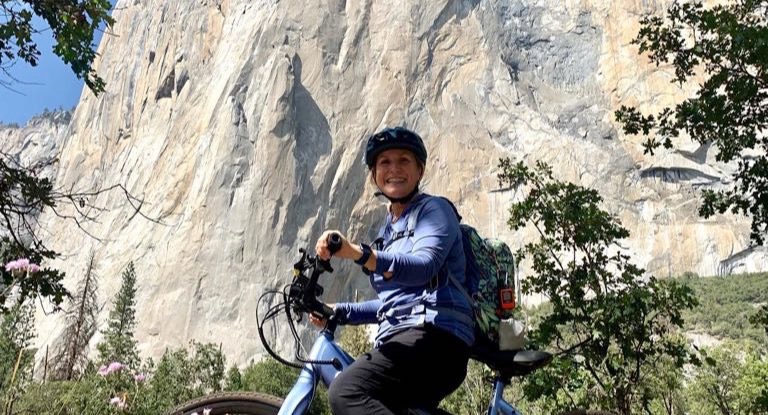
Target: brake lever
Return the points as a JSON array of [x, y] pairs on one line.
[[325, 265], [298, 314]]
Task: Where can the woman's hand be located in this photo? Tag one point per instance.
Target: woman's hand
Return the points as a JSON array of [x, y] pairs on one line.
[[347, 251], [320, 322]]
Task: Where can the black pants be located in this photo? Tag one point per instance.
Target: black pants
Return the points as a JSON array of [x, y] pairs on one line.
[[414, 369]]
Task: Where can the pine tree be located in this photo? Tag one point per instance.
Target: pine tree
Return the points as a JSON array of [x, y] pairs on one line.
[[71, 354], [119, 344]]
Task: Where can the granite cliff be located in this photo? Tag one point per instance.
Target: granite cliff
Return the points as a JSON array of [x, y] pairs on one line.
[[241, 124]]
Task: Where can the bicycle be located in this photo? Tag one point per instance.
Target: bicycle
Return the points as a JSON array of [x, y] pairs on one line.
[[326, 358]]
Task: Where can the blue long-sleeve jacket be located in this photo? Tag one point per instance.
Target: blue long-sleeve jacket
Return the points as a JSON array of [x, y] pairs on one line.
[[419, 291]]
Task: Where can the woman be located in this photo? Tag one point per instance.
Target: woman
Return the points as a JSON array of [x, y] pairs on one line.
[[425, 322]]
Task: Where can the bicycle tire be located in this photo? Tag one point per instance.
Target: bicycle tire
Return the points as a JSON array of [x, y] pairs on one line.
[[587, 412], [242, 403]]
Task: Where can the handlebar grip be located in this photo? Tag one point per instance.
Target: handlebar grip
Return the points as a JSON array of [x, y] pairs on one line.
[[328, 311], [334, 242]]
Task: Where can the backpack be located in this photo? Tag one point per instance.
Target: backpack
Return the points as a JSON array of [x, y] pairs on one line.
[[490, 282]]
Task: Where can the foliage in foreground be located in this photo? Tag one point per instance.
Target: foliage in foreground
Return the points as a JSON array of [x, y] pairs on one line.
[[180, 375], [733, 379], [25, 194], [72, 23], [727, 45], [609, 321]]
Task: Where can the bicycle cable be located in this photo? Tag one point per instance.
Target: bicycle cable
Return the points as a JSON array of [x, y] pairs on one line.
[[272, 312], [333, 362]]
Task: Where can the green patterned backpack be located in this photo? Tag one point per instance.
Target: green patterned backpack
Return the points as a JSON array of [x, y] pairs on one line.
[[490, 283]]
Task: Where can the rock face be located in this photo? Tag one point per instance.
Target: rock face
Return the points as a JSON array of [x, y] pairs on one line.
[[240, 126], [36, 145]]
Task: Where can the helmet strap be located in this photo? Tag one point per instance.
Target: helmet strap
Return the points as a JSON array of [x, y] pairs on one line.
[[402, 200]]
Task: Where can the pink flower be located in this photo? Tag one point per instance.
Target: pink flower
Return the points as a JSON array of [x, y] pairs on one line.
[[10, 266], [139, 377], [118, 402], [114, 367], [22, 264]]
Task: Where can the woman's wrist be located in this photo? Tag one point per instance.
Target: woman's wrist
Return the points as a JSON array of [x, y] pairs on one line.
[[353, 252], [366, 253]]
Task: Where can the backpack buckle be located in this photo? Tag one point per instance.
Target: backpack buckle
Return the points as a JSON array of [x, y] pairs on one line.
[[434, 282]]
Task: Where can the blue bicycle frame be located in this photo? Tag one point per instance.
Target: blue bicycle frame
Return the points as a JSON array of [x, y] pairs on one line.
[[304, 293], [300, 397]]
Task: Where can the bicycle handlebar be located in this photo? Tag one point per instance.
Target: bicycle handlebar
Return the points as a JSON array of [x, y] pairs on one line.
[[302, 296], [304, 290]]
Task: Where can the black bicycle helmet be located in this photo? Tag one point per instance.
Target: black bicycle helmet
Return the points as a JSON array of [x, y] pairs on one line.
[[398, 137]]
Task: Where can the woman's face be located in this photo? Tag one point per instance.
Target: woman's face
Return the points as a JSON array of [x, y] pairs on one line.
[[397, 172]]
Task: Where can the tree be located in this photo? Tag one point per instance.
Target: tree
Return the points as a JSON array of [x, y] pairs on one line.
[[356, 340], [473, 395], [234, 380], [274, 378], [731, 381], [17, 331], [753, 384], [72, 24], [23, 196], [119, 344], [607, 317], [171, 380], [728, 46], [71, 355], [760, 319], [209, 364], [663, 392]]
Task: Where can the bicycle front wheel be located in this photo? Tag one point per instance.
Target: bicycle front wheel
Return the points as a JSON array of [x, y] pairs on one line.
[[241, 403]]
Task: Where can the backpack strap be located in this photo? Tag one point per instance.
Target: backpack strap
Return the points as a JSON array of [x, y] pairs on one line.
[[463, 290], [413, 218], [410, 229], [456, 211], [420, 308]]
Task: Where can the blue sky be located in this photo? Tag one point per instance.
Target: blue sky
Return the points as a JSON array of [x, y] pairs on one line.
[[51, 84]]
